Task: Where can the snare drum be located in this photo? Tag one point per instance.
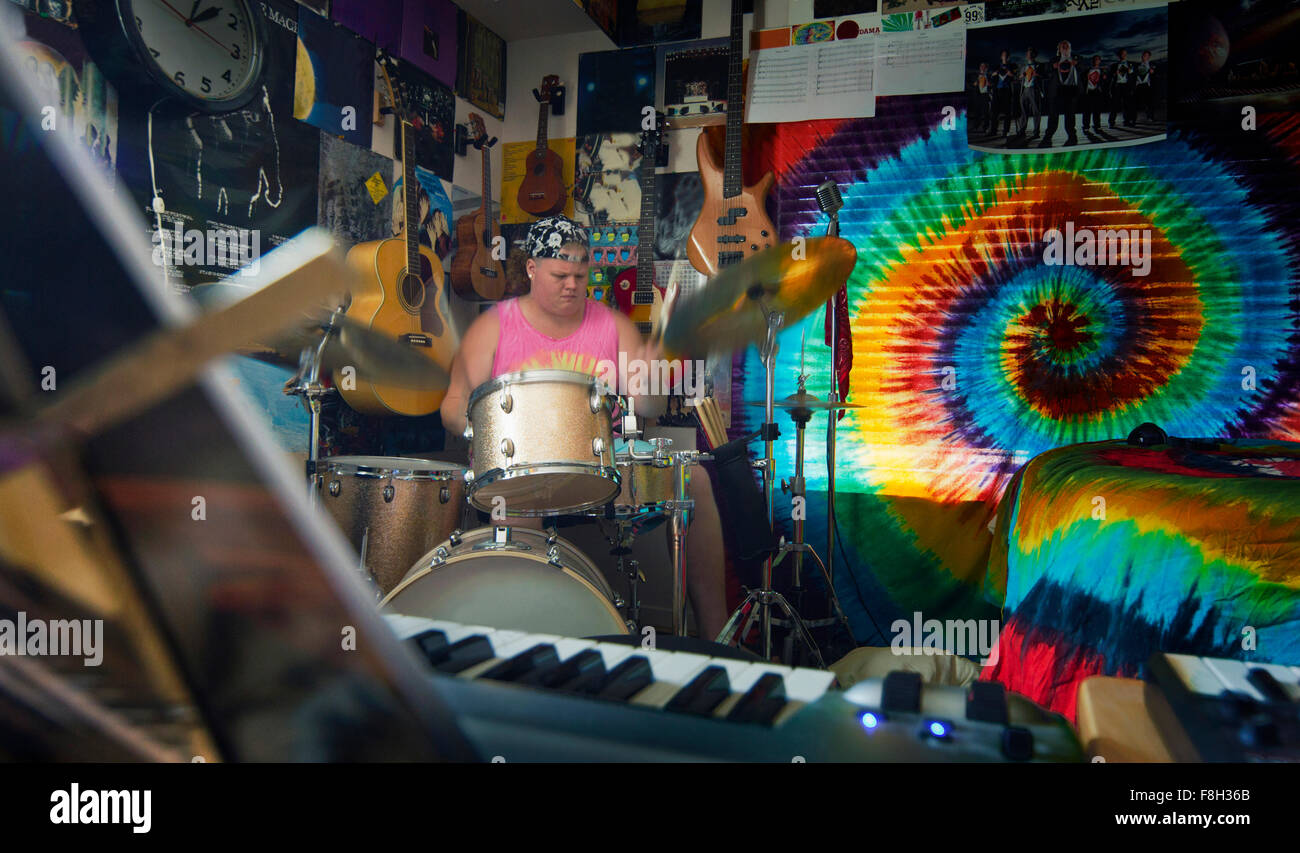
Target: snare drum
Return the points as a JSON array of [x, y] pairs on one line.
[[393, 509], [510, 578], [542, 440]]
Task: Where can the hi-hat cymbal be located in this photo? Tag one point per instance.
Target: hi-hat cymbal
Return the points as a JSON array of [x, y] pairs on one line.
[[375, 357], [730, 311], [806, 401]]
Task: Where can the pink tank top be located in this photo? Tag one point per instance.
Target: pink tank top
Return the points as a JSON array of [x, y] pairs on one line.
[[521, 347]]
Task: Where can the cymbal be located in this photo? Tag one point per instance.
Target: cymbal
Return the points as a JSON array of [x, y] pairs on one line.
[[806, 401], [375, 357], [730, 311]]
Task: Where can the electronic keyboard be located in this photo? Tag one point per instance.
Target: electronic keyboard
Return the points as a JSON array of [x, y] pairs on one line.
[[539, 697], [1229, 710]]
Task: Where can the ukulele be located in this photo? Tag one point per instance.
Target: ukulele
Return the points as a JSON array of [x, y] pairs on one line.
[[733, 222], [401, 275], [475, 274], [542, 191], [635, 292]]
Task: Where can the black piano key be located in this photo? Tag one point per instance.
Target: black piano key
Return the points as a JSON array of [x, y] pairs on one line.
[[626, 680], [762, 702], [430, 643], [704, 692], [463, 654], [540, 657], [901, 692], [582, 673], [1263, 681], [986, 702]]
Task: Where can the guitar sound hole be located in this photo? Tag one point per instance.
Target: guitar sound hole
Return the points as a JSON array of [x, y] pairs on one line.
[[539, 169], [412, 292]]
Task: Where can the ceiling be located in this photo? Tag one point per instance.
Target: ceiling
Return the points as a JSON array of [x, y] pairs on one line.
[[515, 20]]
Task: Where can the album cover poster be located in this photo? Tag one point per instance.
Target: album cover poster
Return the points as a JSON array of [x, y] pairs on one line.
[[481, 76], [431, 108], [890, 7], [653, 21], [429, 33], [354, 194], [335, 72], [254, 170], [996, 10], [613, 88], [607, 186], [1229, 55], [694, 76], [58, 67], [681, 198], [380, 21], [1088, 81]]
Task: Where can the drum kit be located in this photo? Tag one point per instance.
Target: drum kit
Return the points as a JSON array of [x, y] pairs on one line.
[[543, 447]]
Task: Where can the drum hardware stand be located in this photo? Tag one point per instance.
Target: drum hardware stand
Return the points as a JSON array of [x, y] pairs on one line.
[[307, 385], [761, 600], [830, 201]]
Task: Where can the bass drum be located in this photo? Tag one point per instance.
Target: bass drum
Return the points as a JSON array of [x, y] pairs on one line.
[[509, 578]]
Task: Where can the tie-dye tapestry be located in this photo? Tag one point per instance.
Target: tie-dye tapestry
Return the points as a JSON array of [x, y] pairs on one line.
[[982, 337]]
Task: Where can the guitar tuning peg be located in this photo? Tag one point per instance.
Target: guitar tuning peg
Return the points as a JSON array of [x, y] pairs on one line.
[[538, 95]]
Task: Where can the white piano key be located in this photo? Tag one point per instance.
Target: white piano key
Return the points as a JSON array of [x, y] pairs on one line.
[[615, 653], [505, 645], [672, 671], [1195, 674], [1232, 674], [808, 685]]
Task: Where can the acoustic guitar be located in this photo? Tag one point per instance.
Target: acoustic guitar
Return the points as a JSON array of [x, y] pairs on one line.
[[475, 274], [401, 276], [635, 292], [542, 192], [733, 223]]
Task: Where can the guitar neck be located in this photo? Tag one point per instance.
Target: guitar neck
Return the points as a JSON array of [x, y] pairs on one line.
[[543, 116], [488, 219], [732, 174], [646, 230], [410, 198]]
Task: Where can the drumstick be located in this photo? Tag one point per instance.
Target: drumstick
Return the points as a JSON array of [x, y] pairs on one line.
[[706, 426], [719, 428]]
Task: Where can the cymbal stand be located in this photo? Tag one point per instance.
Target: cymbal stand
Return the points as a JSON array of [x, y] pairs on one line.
[[307, 385], [763, 599]]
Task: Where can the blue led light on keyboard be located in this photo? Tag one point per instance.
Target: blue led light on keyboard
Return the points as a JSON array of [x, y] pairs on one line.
[[870, 720]]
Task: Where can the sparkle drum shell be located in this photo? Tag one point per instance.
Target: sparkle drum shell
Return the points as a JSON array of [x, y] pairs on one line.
[[392, 509], [542, 440], [521, 584]]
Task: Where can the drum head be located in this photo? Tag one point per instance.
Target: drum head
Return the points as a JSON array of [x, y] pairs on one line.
[[507, 590], [543, 491], [382, 465]]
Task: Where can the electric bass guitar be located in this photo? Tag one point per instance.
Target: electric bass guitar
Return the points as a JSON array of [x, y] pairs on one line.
[[635, 291], [733, 223], [404, 296], [542, 192], [476, 275]]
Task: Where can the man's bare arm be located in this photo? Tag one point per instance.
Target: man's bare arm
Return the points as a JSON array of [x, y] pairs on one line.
[[470, 369]]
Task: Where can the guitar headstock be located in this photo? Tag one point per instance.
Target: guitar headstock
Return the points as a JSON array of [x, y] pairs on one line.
[[387, 64], [546, 91]]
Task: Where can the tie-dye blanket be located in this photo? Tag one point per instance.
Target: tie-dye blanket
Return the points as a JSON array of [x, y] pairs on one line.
[[1104, 553]]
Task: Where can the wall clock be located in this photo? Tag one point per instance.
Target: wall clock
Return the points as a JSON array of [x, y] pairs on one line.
[[199, 55]]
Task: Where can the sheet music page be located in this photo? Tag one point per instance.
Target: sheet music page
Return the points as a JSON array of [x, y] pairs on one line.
[[834, 79], [920, 62]]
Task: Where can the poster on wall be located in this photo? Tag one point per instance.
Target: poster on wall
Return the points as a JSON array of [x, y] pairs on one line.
[[333, 79], [429, 33], [430, 107], [694, 80], [613, 87], [1000, 10], [249, 176], [354, 193], [59, 69], [514, 159], [804, 72], [481, 75], [380, 21], [1094, 81], [607, 185], [1228, 56]]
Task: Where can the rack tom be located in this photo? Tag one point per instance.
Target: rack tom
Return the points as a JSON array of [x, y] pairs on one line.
[[542, 442]]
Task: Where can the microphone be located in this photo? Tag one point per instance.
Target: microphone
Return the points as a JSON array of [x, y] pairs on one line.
[[829, 198], [830, 201]]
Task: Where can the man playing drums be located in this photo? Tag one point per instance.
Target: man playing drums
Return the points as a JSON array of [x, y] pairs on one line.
[[555, 326]]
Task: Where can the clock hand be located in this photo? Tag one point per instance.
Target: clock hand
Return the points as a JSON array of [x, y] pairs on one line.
[[193, 9], [178, 14], [207, 15]]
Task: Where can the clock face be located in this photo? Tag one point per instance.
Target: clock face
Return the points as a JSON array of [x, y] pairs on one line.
[[209, 49]]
